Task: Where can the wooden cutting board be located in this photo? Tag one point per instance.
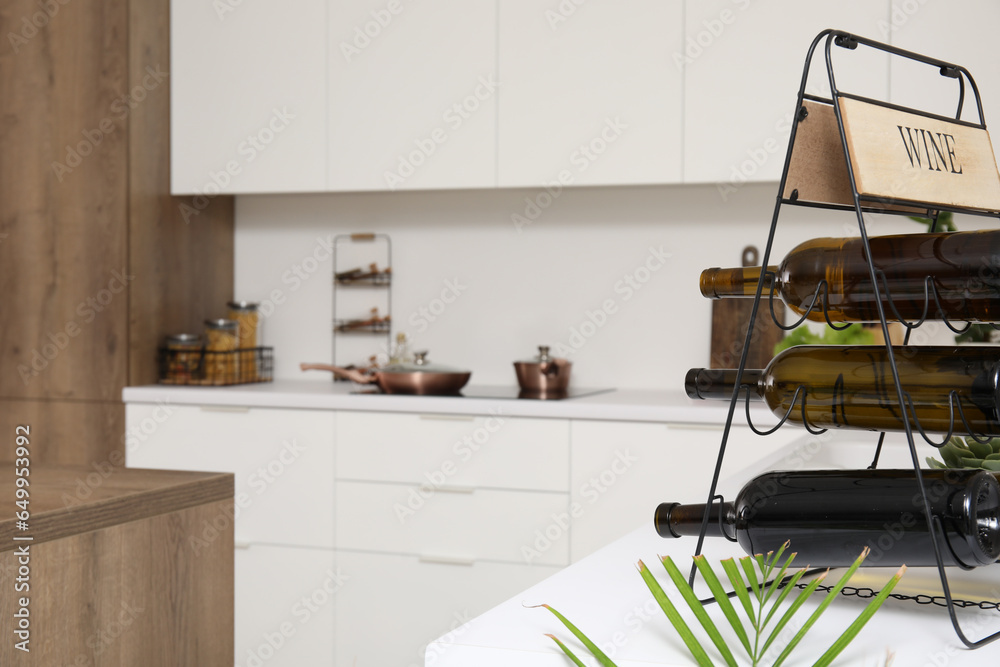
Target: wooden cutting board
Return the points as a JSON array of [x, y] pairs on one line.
[[729, 326]]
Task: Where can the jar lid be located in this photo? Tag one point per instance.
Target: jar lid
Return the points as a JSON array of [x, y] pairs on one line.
[[184, 339], [243, 305], [222, 324]]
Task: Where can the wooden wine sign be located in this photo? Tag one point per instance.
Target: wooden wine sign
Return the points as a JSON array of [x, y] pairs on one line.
[[895, 155]]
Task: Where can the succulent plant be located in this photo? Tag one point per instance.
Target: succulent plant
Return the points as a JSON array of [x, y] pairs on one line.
[[968, 453]]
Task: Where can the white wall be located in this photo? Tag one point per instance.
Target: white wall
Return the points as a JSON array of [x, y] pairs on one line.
[[522, 288]]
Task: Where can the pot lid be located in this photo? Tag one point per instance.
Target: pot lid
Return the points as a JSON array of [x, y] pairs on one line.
[[542, 357], [420, 365]]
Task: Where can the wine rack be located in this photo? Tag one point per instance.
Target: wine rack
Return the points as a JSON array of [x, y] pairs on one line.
[[837, 159], [374, 282]]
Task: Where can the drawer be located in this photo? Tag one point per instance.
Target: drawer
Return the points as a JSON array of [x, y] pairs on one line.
[[483, 451], [482, 524], [427, 601], [282, 461]]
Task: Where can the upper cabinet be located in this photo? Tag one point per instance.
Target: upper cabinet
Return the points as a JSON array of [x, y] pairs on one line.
[[744, 65], [248, 96], [590, 93], [356, 95], [412, 94]]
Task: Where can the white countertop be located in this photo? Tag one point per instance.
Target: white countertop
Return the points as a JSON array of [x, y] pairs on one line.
[[605, 597], [617, 405]]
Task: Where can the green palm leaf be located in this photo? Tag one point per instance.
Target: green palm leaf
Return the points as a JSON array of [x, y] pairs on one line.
[[699, 654], [699, 610], [722, 599]]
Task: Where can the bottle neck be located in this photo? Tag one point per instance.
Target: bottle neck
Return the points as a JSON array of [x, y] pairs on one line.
[[718, 383], [729, 283], [676, 520]]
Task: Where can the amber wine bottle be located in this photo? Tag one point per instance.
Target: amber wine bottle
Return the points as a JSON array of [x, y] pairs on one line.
[[829, 516], [852, 387], [965, 267]]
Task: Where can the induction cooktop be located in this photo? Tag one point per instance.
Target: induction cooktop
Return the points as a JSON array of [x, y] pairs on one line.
[[492, 391]]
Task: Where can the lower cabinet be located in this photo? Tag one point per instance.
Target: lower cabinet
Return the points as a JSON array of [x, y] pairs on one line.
[[285, 605], [392, 606]]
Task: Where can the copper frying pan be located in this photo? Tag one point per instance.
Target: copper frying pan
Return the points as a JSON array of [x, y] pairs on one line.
[[420, 377]]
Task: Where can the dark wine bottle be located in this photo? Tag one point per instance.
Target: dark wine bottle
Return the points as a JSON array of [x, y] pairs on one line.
[[829, 516], [965, 267], [852, 387]]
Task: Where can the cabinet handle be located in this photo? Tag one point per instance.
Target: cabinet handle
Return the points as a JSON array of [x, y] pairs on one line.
[[241, 545], [449, 418], [450, 488], [224, 408], [448, 560]]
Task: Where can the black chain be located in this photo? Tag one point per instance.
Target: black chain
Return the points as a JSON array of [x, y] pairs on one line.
[[938, 600]]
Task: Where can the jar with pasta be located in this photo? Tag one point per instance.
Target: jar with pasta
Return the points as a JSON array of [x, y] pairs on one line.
[[247, 319], [182, 358], [221, 361]]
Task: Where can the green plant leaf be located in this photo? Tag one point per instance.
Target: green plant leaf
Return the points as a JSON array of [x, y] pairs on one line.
[[781, 573], [748, 565], [697, 652], [980, 449], [699, 610], [993, 466], [854, 628], [722, 599], [784, 594], [830, 597], [787, 616], [740, 587], [591, 646], [565, 649]]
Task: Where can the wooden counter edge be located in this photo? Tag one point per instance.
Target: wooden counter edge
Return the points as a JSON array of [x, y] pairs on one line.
[[87, 516]]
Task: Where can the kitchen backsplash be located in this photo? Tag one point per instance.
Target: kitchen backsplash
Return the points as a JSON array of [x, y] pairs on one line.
[[606, 276]]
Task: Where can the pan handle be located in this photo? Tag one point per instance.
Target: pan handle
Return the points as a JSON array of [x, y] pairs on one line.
[[351, 374]]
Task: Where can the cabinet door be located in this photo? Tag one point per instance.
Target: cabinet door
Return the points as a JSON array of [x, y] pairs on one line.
[[622, 470], [248, 96], [282, 460], [393, 606], [589, 93], [284, 606], [744, 64], [957, 33], [412, 94]]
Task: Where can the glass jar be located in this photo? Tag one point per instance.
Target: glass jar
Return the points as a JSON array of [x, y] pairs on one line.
[[247, 319], [221, 361], [183, 358]]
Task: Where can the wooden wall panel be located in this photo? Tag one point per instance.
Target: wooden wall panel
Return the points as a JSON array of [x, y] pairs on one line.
[[84, 433], [180, 248], [63, 200]]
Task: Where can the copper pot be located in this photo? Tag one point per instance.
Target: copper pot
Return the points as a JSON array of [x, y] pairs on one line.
[[419, 377], [544, 376]]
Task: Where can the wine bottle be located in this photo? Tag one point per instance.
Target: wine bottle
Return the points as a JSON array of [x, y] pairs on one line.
[[852, 387], [829, 516], [965, 267]]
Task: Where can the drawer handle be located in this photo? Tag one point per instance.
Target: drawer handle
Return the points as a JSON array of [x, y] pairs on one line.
[[225, 408], [449, 418], [241, 545], [450, 488], [448, 560]]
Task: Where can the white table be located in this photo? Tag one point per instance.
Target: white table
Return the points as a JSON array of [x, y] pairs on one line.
[[606, 598]]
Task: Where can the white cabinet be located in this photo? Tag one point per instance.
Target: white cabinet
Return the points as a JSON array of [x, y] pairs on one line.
[[743, 68], [284, 606], [247, 96], [412, 94], [393, 606], [282, 461], [590, 94], [622, 471]]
